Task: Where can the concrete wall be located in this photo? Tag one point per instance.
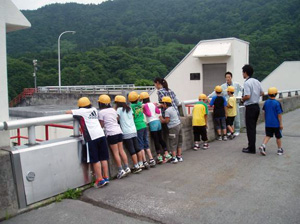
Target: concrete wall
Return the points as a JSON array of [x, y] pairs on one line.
[[281, 77]]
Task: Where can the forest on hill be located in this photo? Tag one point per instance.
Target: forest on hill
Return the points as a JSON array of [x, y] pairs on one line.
[[128, 41]]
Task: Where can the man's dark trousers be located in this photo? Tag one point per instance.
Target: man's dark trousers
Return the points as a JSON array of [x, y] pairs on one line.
[[252, 113]]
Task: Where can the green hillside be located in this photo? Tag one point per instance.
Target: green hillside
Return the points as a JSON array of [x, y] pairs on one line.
[[123, 41]]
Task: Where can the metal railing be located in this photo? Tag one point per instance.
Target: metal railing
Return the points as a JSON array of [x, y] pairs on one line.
[[31, 123], [188, 104], [92, 88], [19, 137]]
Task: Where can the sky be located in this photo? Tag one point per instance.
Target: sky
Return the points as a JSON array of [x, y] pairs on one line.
[[35, 4]]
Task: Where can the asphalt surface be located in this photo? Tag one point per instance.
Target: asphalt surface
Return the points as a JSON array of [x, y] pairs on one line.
[[218, 185]]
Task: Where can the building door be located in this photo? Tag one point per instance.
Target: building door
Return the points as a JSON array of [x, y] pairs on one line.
[[213, 74]]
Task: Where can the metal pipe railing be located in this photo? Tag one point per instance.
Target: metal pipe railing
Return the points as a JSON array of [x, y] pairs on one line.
[[280, 95], [92, 88], [31, 123]]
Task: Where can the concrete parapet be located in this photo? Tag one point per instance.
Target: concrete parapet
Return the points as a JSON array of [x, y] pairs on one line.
[[8, 196]]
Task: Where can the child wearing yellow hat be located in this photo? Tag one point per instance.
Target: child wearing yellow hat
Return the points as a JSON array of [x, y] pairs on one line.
[[199, 122], [231, 111]]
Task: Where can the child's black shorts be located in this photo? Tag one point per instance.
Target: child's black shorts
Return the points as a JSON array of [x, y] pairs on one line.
[[200, 131], [114, 139], [229, 121], [95, 150], [271, 131]]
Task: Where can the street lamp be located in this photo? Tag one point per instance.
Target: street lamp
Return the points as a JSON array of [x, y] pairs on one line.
[[34, 72], [58, 44]]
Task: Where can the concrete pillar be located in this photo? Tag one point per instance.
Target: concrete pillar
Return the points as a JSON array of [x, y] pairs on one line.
[[4, 136]]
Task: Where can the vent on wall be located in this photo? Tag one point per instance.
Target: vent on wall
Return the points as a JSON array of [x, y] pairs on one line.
[[194, 76]]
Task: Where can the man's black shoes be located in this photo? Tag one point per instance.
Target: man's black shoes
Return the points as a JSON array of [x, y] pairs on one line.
[[246, 150]]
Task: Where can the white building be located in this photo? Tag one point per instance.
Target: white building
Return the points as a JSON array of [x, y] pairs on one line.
[[11, 19], [205, 65], [285, 77]]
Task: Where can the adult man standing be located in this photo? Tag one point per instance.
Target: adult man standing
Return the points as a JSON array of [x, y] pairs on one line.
[[237, 92], [251, 94]]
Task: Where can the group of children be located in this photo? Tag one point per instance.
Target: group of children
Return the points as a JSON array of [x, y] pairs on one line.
[[126, 124], [224, 112]]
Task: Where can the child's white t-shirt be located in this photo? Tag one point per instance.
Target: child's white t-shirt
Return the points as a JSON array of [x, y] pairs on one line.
[[110, 118], [88, 119]]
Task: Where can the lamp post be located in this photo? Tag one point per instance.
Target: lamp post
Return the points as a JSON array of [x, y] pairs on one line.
[[34, 72], [58, 45]]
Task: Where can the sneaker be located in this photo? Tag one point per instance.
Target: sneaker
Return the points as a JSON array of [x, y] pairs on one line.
[[205, 146], [121, 174], [142, 166], [136, 170], [179, 158], [224, 138], [167, 158], [106, 180], [280, 152], [100, 183], [127, 170], [174, 160], [236, 134], [262, 150], [160, 160], [146, 165], [196, 147], [152, 163], [232, 136], [219, 138]]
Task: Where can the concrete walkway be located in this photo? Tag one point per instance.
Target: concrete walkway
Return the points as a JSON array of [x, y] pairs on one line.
[[219, 185]]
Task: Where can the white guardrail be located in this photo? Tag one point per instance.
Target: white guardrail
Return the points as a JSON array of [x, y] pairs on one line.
[[31, 123], [91, 88], [280, 94]]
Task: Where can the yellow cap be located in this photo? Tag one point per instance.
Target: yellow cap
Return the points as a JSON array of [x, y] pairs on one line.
[[83, 102], [272, 90], [166, 99], [218, 89], [133, 96], [144, 95], [120, 99], [104, 99], [202, 97], [230, 89]]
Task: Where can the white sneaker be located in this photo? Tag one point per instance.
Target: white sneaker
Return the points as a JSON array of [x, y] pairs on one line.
[[121, 174], [174, 160], [127, 170], [236, 134]]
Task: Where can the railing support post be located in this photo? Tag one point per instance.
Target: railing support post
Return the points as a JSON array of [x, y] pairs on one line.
[[76, 132], [19, 136], [47, 132], [31, 135]]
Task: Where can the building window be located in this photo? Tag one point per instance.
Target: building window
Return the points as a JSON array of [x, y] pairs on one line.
[[194, 76]]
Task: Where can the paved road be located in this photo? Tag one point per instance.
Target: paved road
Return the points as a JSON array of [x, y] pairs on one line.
[[219, 185]]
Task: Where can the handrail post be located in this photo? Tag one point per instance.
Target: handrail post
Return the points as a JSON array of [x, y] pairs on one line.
[[47, 132], [76, 132], [31, 135], [19, 136], [183, 109]]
